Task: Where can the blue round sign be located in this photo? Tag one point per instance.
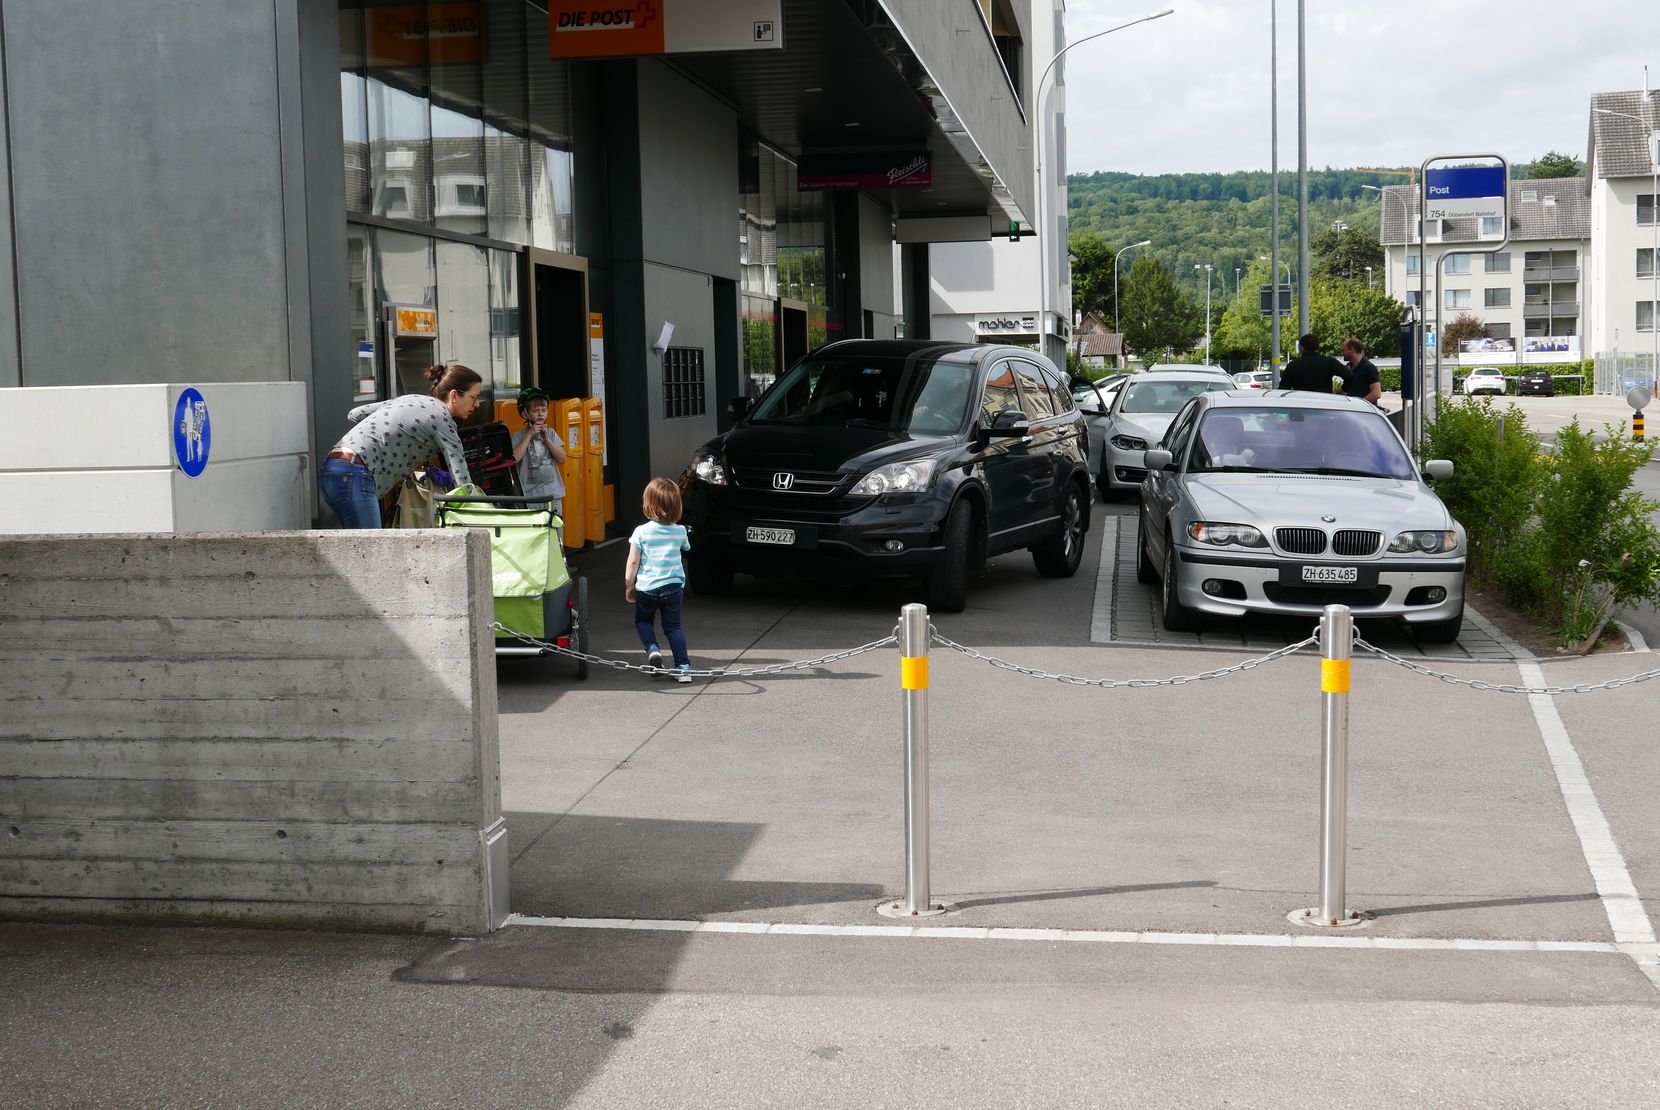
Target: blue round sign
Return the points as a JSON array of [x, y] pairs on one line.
[[192, 434]]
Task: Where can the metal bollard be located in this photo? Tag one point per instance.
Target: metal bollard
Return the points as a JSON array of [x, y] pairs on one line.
[[913, 680], [1336, 647]]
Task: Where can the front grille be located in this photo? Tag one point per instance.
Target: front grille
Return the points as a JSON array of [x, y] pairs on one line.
[[752, 504], [1300, 541], [801, 481], [1352, 541], [1325, 595]]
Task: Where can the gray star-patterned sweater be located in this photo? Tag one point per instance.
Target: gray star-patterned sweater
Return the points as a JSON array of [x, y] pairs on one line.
[[392, 438]]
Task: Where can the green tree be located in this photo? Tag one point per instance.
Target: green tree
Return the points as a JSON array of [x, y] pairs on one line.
[[1340, 309], [1091, 275], [1462, 326], [1554, 163], [1157, 315], [1344, 252], [1243, 331]]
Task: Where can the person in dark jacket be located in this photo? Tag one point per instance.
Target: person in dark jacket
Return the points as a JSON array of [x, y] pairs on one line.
[[1363, 380], [1312, 371]]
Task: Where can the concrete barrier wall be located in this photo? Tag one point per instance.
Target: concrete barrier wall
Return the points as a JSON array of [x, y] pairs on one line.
[[274, 729]]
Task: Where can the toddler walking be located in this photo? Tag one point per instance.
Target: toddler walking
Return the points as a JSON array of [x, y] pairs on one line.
[[655, 580]]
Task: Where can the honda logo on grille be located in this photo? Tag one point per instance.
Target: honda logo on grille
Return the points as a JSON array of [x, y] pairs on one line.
[[783, 480]]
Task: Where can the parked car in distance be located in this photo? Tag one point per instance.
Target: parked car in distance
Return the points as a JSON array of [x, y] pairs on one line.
[[1485, 379], [1140, 413], [1254, 379], [1536, 381], [1094, 401], [1188, 368], [894, 458], [1289, 502]]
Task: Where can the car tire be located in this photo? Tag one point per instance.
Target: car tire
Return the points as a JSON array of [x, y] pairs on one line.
[[1440, 632], [709, 575], [1145, 572], [1059, 555], [579, 626], [948, 585], [1177, 617], [1103, 487]]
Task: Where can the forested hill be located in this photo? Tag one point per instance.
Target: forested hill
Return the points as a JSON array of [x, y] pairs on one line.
[[1217, 218]]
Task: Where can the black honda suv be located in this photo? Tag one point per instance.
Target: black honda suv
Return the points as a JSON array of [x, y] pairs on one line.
[[894, 458]]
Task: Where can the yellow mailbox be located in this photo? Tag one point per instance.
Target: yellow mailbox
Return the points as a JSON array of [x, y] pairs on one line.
[[566, 417]]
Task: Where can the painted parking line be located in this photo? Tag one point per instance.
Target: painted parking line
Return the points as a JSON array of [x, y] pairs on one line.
[[1094, 936]]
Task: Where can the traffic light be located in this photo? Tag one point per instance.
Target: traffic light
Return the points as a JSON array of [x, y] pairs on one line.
[[1014, 231]]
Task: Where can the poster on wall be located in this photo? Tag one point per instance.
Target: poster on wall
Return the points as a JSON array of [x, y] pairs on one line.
[[596, 371], [1565, 345], [1487, 346]]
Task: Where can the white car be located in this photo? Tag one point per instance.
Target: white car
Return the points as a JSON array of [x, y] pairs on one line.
[[1254, 379], [1485, 379], [1143, 409], [1188, 368]]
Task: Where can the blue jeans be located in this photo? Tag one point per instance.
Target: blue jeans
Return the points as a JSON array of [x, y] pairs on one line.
[[665, 600], [349, 489]]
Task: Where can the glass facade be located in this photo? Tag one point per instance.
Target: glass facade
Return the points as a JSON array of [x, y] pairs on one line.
[[783, 257], [456, 123]]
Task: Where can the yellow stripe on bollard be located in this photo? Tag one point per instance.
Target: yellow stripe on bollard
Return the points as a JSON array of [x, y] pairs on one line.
[[913, 672], [1334, 676]]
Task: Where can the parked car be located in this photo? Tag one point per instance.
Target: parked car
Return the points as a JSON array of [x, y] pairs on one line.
[[1536, 381], [1254, 379], [1188, 368], [1094, 401], [1485, 379], [1290, 502], [894, 458], [1140, 413]]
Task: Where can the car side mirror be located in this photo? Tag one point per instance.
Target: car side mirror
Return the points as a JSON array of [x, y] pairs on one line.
[[737, 408], [1436, 470], [1011, 422], [1159, 459]]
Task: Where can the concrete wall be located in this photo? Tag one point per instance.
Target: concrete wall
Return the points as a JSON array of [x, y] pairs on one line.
[[294, 729]]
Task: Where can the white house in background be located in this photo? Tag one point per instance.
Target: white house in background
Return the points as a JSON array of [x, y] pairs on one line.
[[1529, 293], [1619, 176], [989, 290]]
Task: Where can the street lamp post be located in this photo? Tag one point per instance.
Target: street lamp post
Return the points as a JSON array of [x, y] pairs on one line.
[[1368, 277], [1039, 224], [1236, 272], [1207, 269], [1654, 222], [1121, 250]]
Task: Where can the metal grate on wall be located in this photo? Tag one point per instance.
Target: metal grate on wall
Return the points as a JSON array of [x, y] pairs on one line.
[[683, 382]]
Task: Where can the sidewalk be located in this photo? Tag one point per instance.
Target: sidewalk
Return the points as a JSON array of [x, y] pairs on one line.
[[697, 869]]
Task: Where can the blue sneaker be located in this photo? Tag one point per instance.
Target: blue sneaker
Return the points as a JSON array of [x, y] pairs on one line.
[[684, 675]]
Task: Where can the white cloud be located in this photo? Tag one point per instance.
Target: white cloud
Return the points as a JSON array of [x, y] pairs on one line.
[[1388, 83]]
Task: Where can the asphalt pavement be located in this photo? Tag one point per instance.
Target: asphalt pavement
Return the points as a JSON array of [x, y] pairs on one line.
[[696, 871]]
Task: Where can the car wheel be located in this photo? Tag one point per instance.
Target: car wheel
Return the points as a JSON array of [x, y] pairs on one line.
[[1440, 632], [1145, 573], [708, 575], [948, 585], [1177, 617], [1059, 555]]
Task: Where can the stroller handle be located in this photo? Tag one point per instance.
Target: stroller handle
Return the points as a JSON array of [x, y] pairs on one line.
[[485, 499]]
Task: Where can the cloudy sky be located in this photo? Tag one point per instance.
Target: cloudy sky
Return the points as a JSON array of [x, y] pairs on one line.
[[1390, 82]]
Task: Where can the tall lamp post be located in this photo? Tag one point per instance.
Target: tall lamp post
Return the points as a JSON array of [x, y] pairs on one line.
[[1654, 222], [1368, 277], [1042, 127], [1121, 250], [1236, 273], [1207, 269]]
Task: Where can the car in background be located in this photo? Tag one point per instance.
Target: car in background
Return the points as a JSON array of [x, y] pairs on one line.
[[1536, 381], [1094, 401], [1140, 413], [1254, 379], [1188, 368], [1485, 379], [894, 458], [1287, 503]]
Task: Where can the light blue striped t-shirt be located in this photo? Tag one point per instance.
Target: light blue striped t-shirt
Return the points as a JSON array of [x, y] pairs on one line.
[[660, 546]]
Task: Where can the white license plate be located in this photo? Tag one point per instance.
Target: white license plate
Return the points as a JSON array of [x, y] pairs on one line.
[[785, 536], [1331, 574]]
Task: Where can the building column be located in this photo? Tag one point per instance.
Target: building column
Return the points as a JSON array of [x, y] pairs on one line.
[[913, 270]]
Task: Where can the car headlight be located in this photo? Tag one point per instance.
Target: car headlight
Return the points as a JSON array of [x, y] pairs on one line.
[[1424, 543], [904, 477], [1226, 535], [709, 469], [1129, 443]]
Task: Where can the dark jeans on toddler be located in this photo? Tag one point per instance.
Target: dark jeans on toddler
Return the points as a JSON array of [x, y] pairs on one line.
[[663, 600]]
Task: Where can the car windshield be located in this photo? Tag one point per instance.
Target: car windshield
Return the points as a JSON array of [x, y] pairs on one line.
[[1300, 440], [1167, 397], [919, 395]]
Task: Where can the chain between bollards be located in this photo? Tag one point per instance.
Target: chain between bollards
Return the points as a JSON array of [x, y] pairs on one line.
[[1336, 651], [914, 637]]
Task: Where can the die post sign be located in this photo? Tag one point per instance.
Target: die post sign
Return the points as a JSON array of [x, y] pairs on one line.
[[638, 28]]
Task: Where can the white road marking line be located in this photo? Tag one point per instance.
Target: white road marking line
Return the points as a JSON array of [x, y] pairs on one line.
[[1096, 936], [1620, 901], [1100, 620]]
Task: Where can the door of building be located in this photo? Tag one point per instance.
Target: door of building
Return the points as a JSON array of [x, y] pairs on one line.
[[409, 338], [792, 332], [557, 336]]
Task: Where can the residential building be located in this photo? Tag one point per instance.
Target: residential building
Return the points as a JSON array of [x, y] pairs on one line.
[[1095, 344], [1621, 158], [997, 290], [1531, 290]]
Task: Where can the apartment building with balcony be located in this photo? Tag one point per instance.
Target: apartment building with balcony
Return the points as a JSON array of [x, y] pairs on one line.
[[1534, 289], [1619, 183]]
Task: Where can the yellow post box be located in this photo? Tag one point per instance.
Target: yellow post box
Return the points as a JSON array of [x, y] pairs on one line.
[[593, 468], [566, 418]]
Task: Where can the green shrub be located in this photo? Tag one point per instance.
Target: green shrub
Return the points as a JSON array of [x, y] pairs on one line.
[[1495, 480]]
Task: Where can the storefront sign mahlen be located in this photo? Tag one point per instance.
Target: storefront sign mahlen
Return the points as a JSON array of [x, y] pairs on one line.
[[411, 34], [865, 169], [1006, 324]]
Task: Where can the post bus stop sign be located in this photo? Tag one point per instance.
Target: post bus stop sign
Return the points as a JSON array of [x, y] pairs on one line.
[[1464, 192]]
